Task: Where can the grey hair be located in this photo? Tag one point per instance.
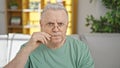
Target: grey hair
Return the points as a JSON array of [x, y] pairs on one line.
[[54, 6]]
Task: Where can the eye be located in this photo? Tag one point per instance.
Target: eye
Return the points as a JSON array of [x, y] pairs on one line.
[[61, 24], [50, 24]]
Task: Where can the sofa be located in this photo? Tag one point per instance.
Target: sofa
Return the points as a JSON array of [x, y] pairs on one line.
[[10, 45], [104, 48]]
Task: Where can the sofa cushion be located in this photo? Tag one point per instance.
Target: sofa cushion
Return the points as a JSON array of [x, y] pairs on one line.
[[105, 49]]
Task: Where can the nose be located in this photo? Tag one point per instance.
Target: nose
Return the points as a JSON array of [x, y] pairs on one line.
[[56, 28]]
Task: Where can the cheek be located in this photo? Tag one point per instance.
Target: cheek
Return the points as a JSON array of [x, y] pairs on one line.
[[64, 32], [65, 29], [45, 29]]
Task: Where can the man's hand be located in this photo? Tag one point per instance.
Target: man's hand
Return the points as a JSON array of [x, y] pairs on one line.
[[38, 38], [21, 58]]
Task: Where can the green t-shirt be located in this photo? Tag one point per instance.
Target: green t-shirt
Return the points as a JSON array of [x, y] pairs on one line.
[[73, 54]]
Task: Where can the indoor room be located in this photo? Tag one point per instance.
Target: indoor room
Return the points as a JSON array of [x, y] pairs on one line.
[[93, 22]]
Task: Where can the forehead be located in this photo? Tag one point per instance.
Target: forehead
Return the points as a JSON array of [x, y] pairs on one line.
[[55, 15]]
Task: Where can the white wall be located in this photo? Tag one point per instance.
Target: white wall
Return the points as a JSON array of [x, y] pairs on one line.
[[2, 17], [86, 8]]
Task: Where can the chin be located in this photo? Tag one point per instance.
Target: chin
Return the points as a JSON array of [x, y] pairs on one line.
[[56, 41]]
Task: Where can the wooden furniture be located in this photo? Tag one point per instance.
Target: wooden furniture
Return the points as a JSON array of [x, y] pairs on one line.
[[24, 17], [14, 16], [31, 16]]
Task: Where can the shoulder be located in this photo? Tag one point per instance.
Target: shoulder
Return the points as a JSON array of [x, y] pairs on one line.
[[77, 44], [74, 41]]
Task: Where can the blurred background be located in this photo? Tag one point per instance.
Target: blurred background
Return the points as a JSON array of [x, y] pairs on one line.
[[23, 16], [95, 22]]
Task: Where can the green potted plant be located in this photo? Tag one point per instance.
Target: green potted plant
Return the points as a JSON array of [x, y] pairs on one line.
[[110, 22], [13, 4]]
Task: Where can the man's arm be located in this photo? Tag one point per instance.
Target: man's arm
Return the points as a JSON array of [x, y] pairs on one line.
[[84, 59], [87, 59], [21, 58]]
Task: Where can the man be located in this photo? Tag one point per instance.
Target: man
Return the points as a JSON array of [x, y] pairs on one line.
[[51, 48]]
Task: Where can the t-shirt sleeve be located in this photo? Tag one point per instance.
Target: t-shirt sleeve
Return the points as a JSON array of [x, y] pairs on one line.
[[85, 59], [27, 65]]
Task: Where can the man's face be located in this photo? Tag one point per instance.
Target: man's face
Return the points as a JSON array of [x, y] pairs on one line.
[[55, 22]]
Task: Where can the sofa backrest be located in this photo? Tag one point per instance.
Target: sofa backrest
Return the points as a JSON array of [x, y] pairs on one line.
[[105, 49], [10, 45], [15, 41]]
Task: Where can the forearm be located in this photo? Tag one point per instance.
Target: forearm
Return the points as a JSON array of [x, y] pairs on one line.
[[21, 58]]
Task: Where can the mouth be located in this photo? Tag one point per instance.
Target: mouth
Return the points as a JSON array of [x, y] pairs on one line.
[[55, 35]]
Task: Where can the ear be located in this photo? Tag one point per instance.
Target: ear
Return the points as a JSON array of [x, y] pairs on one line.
[[67, 24], [40, 23]]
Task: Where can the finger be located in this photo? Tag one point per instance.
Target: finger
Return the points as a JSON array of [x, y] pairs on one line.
[[41, 36], [41, 40], [45, 40], [47, 36]]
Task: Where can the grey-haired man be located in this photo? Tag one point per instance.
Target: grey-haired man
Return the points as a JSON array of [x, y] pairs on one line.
[[51, 48]]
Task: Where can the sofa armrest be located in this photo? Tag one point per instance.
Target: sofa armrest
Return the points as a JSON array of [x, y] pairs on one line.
[[3, 50]]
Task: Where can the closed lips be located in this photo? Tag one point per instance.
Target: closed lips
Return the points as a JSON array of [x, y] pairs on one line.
[[56, 34]]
